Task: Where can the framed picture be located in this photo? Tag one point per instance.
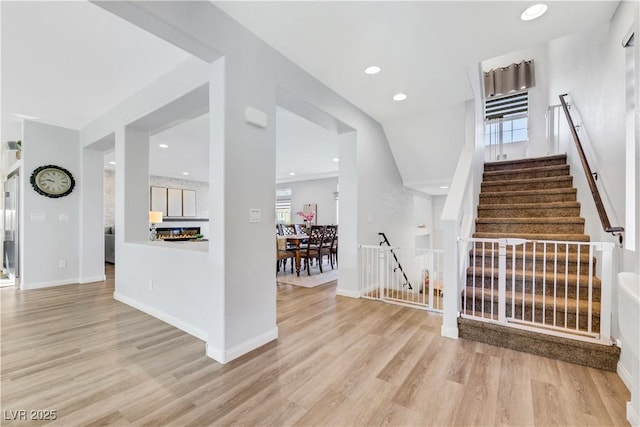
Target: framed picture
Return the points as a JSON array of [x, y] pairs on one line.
[[159, 200], [174, 202], [188, 203]]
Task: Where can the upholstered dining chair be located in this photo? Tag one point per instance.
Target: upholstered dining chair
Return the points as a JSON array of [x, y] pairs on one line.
[[313, 247]]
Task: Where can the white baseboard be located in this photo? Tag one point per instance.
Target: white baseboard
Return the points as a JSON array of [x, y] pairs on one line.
[[632, 416], [347, 293], [61, 282], [92, 279], [449, 332], [173, 321], [223, 356], [624, 374]]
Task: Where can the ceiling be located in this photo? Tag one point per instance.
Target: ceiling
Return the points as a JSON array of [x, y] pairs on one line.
[[67, 63], [70, 62], [423, 47]]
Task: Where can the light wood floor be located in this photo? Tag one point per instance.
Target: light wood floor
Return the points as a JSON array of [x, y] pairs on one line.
[[338, 361]]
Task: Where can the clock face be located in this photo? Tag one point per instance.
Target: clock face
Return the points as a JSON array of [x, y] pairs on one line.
[[52, 181]]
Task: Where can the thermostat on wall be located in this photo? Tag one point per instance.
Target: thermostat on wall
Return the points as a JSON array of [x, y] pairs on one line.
[[255, 117]]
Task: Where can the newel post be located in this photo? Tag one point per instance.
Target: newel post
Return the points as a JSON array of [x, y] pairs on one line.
[[450, 291]]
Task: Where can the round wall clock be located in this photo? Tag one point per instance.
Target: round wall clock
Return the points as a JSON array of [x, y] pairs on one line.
[[52, 181]]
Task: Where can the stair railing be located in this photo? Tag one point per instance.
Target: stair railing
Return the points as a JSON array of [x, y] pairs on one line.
[[399, 266], [602, 213]]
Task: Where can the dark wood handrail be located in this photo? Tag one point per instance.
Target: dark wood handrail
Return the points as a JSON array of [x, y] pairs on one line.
[[604, 218]]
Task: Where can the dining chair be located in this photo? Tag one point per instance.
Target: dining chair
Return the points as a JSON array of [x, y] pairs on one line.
[[334, 251], [283, 254], [300, 228], [288, 229], [330, 233], [313, 247]]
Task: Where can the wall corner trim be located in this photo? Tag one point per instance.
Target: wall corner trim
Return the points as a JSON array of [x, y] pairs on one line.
[[173, 321], [223, 356]]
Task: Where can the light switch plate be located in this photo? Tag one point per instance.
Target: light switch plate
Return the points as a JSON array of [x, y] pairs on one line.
[[63, 217], [255, 215]]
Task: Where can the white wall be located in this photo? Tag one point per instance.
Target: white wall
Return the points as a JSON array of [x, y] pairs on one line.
[[438, 230], [426, 146], [46, 243], [591, 68], [318, 191]]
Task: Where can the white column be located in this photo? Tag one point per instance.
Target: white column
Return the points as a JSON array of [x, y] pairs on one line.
[[348, 279], [91, 215]]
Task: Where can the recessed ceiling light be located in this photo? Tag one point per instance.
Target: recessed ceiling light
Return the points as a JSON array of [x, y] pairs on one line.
[[335, 159], [24, 116], [112, 163], [374, 69], [292, 173], [444, 187], [533, 12], [185, 173], [163, 146], [399, 97]]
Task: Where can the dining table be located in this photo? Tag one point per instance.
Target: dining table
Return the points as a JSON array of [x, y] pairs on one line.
[[296, 240]]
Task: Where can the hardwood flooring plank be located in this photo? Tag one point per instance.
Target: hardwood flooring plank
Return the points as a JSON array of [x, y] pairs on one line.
[[548, 409], [514, 404], [480, 392]]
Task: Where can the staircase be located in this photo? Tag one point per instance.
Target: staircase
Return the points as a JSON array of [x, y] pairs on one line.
[[534, 199]]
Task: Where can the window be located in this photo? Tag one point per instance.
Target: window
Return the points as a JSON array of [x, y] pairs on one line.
[[283, 206], [506, 119], [283, 211]]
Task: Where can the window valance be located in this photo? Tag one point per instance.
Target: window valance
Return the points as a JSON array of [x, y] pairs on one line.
[[506, 79]]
